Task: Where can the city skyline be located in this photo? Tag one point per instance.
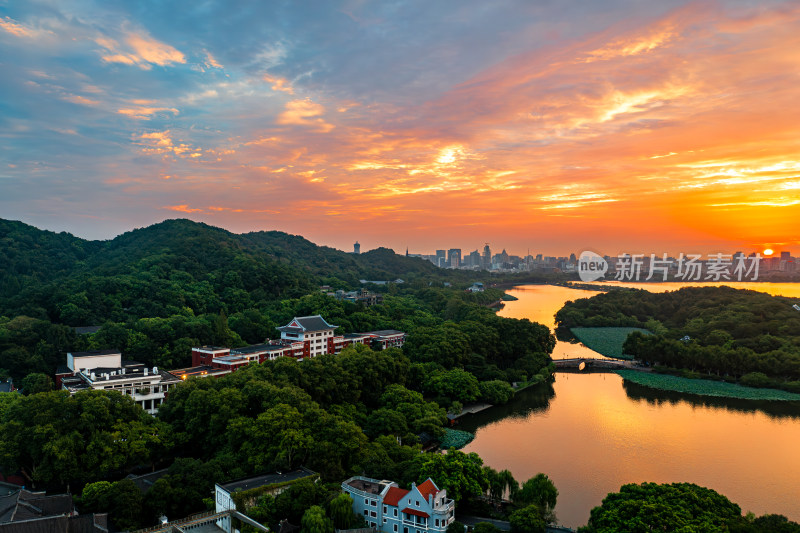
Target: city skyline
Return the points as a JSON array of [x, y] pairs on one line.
[[618, 126]]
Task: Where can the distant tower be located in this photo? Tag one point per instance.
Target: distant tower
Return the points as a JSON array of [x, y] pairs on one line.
[[406, 251], [356, 248], [487, 257]]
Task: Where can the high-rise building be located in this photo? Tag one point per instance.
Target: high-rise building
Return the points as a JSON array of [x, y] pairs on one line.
[[474, 259], [356, 248], [454, 257], [441, 258], [487, 257]]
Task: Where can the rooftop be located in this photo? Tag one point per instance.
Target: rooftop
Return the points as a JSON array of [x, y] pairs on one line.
[[368, 486], [25, 505], [258, 348], [145, 481], [266, 480], [308, 323], [428, 488], [384, 332], [416, 512], [394, 495], [95, 353], [202, 370]]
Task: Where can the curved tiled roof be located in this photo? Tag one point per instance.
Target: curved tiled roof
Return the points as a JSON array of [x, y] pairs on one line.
[[428, 488], [394, 495]]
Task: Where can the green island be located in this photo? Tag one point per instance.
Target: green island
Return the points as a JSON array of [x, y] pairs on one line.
[[723, 334], [705, 387], [607, 341]]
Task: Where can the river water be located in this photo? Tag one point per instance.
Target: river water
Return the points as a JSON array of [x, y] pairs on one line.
[[590, 433]]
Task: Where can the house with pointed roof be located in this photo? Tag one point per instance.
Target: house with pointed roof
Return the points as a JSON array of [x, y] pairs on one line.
[[390, 509]]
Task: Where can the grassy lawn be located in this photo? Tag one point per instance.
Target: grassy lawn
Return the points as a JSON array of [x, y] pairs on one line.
[[704, 387], [606, 341]]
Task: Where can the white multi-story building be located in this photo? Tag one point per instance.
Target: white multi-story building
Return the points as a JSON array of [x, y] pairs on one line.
[[106, 370], [390, 509], [312, 329]]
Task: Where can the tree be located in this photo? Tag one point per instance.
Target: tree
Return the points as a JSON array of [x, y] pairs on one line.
[[666, 507], [540, 492], [459, 473], [496, 392], [341, 511], [315, 521], [456, 385], [456, 527], [527, 520], [485, 527], [122, 500], [36, 382]]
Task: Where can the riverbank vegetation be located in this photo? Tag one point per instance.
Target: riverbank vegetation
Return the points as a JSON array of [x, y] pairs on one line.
[[705, 387], [733, 335]]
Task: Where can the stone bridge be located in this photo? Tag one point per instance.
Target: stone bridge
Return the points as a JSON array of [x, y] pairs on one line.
[[588, 364]]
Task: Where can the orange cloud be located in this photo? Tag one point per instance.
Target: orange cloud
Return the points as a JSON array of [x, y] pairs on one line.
[[142, 112], [77, 99], [304, 113], [139, 49], [279, 84], [183, 208], [161, 143], [13, 27]]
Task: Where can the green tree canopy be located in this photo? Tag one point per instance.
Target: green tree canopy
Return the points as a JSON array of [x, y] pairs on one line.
[[461, 474], [682, 507]]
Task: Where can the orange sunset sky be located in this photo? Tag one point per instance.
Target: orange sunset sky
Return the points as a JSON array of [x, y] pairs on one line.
[[618, 126]]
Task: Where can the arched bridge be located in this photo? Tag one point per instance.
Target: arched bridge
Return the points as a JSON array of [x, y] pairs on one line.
[[590, 363]]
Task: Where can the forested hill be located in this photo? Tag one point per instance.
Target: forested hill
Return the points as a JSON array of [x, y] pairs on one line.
[[160, 269]]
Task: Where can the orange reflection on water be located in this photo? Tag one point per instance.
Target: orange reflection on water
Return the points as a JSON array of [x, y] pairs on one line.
[[595, 434]]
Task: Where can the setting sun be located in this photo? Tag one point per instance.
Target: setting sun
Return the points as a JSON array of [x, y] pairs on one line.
[[768, 251]]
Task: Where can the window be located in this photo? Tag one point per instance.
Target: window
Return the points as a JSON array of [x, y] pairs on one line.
[[437, 522], [372, 514], [395, 528], [417, 503], [405, 530], [366, 501], [395, 512], [384, 520], [374, 503], [366, 513]]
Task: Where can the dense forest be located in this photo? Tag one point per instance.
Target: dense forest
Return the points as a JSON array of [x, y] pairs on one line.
[[158, 291], [720, 331]]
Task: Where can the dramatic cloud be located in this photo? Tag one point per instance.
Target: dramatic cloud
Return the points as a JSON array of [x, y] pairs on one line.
[[618, 125]]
